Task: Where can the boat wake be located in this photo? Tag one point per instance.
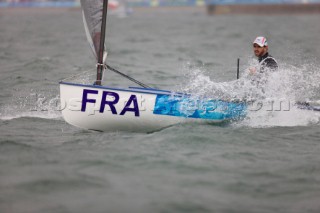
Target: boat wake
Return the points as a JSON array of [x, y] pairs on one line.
[[272, 103], [32, 104]]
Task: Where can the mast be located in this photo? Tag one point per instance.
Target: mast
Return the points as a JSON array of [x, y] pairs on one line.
[[100, 65], [238, 64]]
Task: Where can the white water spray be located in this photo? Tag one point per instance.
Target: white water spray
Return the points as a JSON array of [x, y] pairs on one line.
[[274, 100]]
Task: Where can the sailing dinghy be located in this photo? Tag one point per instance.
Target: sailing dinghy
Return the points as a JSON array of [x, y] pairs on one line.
[[139, 109]]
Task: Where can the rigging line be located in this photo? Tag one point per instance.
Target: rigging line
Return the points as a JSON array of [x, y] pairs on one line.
[[126, 76]]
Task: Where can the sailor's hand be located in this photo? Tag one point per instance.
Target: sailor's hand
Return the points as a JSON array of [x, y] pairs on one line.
[[252, 70]]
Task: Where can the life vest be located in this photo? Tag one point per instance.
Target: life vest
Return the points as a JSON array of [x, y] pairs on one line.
[[263, 64]]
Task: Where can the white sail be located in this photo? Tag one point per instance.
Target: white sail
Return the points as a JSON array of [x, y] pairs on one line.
[[92, 19]]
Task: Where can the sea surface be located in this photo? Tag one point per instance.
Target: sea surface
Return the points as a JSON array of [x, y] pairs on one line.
[[268, 162]]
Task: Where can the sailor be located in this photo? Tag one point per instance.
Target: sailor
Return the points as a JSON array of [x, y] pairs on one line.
[[261, 73], [266, 61]]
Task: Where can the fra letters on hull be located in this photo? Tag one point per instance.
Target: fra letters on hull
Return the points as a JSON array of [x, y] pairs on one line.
[[93, 101]]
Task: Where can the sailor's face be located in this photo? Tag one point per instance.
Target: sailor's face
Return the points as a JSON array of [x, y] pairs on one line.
[[259, 51]]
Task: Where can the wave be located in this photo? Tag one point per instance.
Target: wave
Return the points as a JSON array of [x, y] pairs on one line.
[[31, 115]]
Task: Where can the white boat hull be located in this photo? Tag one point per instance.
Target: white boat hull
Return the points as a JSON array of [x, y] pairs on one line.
[[135, 109]]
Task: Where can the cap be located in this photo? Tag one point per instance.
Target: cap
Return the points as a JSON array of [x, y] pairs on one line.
[[261, 41]]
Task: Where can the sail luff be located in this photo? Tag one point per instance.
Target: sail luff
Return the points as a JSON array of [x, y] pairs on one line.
[[100, 66]]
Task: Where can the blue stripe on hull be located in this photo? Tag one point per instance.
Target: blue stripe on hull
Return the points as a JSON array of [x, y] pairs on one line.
[[195, 108]]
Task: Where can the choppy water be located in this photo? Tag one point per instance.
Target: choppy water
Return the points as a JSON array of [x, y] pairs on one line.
[[269, 162]]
